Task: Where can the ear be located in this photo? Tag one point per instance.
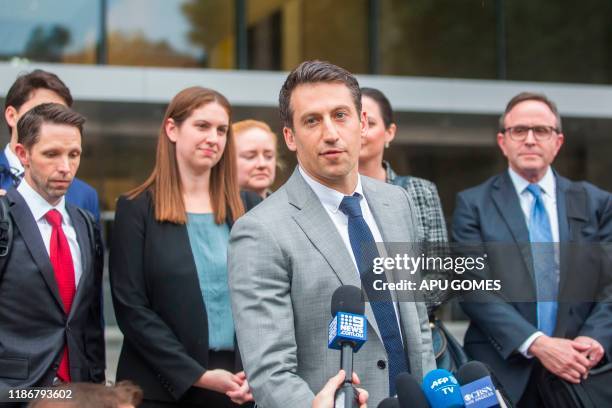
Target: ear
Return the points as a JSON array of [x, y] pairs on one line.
[[501, 142], [390, 133], [559, 142], [22, 154], [11, 116], [289, 139], [171, 130], [364, 124]]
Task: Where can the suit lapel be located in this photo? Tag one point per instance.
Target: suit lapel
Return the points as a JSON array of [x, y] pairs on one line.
[[321, 231], [390, 230], [25, 222], [82, 234], [393, 233], [509, 208]]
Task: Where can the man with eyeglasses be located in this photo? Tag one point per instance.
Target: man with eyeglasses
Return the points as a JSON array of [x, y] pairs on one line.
[[543, 320]]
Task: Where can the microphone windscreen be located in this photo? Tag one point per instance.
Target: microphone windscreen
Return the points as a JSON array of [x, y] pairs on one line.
[[347, 298], [389, 403], [472, 371], [442, 389], [409, 392]]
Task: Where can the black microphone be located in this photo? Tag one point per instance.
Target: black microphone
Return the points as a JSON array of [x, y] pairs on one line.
[[477, 382], [347, 333], [389, 403], [409, 392]]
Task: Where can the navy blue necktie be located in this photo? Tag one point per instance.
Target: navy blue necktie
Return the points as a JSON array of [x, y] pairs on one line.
[[364, 250], [544, 264]]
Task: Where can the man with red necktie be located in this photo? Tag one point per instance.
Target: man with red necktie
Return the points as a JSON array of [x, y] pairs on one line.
[[51, 328]]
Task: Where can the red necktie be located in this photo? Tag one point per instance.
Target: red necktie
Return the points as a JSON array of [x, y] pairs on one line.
[[61, 259]]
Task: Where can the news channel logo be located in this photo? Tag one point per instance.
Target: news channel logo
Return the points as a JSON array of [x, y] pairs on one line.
[[347, 327], [480, 393]]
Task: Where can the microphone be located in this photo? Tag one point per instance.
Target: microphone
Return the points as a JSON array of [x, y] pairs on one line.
[[477, 388], [389, 403], [347, 332], [442, 389], [409, 392]]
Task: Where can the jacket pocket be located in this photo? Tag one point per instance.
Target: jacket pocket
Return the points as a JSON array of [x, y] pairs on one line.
[[14, 367]]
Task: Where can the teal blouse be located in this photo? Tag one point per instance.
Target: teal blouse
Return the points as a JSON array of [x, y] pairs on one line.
[[209, 243]]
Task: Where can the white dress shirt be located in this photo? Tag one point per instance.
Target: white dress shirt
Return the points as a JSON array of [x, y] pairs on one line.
[[526, 199], [39, 207], [331, 199]]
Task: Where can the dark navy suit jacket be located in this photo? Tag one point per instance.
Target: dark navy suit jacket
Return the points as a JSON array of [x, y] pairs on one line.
[[79, 193], [34, 327], [491, 214]]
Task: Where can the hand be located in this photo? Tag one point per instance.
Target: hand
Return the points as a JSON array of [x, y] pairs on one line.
[[595, 352], [221, 381], [325, 397], [2, 192], [562, 357], [244, 393]]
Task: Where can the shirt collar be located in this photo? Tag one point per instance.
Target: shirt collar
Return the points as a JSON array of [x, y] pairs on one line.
[[38, 205], [13, 161], [329, 197], [547, 183]]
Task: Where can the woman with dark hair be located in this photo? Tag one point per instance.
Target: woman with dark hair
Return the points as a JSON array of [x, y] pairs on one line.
[[430, 218], [381, 132], [168, 262]]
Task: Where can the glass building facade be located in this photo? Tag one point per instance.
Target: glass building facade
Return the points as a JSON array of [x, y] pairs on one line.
[[549, 41], [448, 67]]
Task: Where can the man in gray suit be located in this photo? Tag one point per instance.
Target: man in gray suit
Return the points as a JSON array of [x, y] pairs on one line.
[[289, 254]]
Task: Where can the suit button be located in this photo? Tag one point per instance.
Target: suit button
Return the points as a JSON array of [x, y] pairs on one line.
[[381, 364]]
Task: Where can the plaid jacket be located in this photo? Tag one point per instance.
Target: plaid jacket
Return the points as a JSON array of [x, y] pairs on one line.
[[432, 227], [431, 223]]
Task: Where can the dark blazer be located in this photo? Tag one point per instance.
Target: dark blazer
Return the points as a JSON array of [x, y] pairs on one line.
[[79, 193], [33, 324], [490, 213], [158, 303]]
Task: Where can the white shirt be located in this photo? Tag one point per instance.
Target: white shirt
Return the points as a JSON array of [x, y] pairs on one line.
[[13, 161], [331, 199], [39, 207], [526, 199]]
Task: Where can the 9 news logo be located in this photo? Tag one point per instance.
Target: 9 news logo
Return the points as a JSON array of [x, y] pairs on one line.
[[351, 325]]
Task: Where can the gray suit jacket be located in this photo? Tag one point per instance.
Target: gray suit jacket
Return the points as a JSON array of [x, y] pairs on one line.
[[286, 258]]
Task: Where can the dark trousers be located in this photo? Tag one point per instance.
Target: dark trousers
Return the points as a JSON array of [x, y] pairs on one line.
[[531, 397]]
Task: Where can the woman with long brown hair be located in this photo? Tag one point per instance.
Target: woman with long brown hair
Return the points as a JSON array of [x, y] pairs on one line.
[[168, 262]]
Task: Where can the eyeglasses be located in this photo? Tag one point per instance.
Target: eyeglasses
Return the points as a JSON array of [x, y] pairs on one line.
[[540, 133]]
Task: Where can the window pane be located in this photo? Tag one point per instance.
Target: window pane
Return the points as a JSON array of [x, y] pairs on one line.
[[49, 31], [559, 40], [171, 33], [445, 38], [283, 33]]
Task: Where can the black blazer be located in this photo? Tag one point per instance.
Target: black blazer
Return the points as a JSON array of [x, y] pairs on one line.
[[158, 302], [33, 324], [491, 213]]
